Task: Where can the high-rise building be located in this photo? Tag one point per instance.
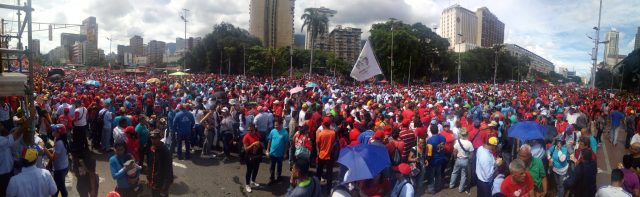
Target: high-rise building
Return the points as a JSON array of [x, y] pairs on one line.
[[77, 54], [89, 28], [136, 45], [156, 51], [67, 42], [320, 42], [537, 63], [345, 43], [637, 44], [120, 50], [459, 26], [35, 49], [490, 29], [171, 47], [611, 48], [193, 42], [180, 44], [272, 22]]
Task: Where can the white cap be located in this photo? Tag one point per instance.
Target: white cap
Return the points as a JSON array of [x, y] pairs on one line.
[[225, 109]]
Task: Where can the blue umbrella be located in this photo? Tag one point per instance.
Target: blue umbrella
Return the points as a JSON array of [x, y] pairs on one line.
[[311, 85], [92, 82], [527, 130], [364, 161]]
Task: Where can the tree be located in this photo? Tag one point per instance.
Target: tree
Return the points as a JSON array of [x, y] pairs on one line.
[[630, 69], [317, 23]]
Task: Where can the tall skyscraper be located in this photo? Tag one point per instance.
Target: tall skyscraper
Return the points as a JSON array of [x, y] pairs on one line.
[[458, 20], [36, 46], [89, 28], [272, 22], [156, 50], [637, 44], [180, 44], [321, 40], [345, 43], [136, 45], [120, 50], [67, 42], [611, 48], [490, 28]]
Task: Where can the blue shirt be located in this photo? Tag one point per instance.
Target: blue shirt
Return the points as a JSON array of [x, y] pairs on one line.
[[278, 141], [183, 122], [435, 144], [62, 158], [32, 181], [364, 137], [485, 164], [6, 159], [143, 133], [118, 173], [616, 117]]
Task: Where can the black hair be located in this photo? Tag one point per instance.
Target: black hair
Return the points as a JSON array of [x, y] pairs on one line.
[[433, 129], [302, 164], [616, 175], [627, 161], [395, 133], [586, 154]]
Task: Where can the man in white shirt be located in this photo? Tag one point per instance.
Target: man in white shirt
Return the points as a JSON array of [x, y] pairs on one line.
[[80, 128], [32, 181], [615, 189], [5, 115], [107, 118], [462, 148], [302, 114]]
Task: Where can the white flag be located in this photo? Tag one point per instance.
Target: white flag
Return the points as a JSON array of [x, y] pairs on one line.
[[367, 66]]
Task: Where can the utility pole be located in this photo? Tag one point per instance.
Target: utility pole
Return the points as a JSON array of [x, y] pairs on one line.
[[495, 69], [595, 53], [183, 16], [290, 62], [459, 61], [392, 22], [409, 80], [244, 63]]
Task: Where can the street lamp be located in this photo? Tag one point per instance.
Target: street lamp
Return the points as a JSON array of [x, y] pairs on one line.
[[392, 23], [498, 47], [595, 54], [183, 16], [459, 62]]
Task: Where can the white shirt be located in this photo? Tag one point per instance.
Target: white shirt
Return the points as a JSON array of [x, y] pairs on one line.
[[635, 138], [485, 164], [572, 118], [118, 135], [4, 112], [610, 191], [301, 118], [106, 118], [466, 144], [82, 117], [30, 182], [198, 114], [401, 189]]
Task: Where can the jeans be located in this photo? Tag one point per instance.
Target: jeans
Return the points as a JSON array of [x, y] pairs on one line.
[[198, 135], [434, 177], [325, 165], [226, 146], [106, 138], [419, 179], [174, 141], [276, 162], [252, 170], [460, 168], [599, 135], [614, 135], [627, 140], [484, 188], [184, 138], [559, 182], [58, 177], [208, 142]]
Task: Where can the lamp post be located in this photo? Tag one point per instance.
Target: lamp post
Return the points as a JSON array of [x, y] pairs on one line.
[[183, 16], [459, 62], [392, 22], [595, 54], [495, 68]]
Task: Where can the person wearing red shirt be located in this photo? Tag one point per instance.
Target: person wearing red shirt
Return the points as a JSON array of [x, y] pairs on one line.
[[408, 113], [561, 125], [519, 183], [253, 149], [449, 138], [133, 144]]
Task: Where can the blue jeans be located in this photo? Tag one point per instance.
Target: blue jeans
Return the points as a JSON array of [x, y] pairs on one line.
[[184, 137], [560, 179], [226, 143], [459, 168], [418, 181], [614, 135], [434, 177], [58, 177], [174, 141], [198, 136], [484, 188], [275, 161]]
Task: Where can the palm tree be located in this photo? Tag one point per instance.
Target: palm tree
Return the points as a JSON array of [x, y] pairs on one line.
[[273, 54], [317, 23]]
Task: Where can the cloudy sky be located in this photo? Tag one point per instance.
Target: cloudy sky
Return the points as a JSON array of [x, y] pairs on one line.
[[554, 29]]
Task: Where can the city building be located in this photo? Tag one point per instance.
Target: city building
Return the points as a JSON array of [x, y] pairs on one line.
[[537, 63], [156, 52], [121, 49], [490, 29], [35, 49], [298, 41], [59, 55], [139, 60], [345, 43], [89, 28], [180, 44], [77, 53], [564, 71], [193, 42], [67, 40], [321, 40], [611, 48], [637, 44], [136, 45], [171, 57], [456, 21], [172, 47], [272, 22]]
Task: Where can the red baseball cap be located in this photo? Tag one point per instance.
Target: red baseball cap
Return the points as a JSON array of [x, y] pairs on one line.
[[403, 168]]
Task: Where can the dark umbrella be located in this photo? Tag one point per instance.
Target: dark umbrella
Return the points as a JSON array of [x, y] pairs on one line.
[[527, 130]]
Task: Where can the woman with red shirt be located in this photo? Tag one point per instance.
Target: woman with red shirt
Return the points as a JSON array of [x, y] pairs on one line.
[[133, 145], [253, 152]]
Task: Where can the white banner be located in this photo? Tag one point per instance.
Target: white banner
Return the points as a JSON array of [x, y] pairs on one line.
[[367, 66]]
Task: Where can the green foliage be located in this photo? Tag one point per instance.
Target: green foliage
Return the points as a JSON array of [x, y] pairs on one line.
[[317, 23], [630, 67]]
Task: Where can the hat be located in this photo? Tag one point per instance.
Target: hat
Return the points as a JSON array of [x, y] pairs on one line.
[[446, 124], [493, 124], [560, 116], [60, 129], [326, 120], [463, 133], [155, 134], [305, 105], [30, 154], [130, 130], [406, 122], [378, 135], [225, 110], [353, 136], [403, 168], [232, 102], [493, 141], [276, 102], [113, 194]]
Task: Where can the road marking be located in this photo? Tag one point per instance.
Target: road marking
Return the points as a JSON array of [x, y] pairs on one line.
[[176, 164], [606, 157]]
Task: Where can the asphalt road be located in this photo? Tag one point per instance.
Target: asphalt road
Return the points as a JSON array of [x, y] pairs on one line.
[[213, 177]]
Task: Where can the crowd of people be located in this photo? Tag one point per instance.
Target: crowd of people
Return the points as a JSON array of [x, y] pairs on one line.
[[454, 136]]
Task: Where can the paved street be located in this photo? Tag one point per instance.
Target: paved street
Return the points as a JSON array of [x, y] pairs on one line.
[[212, 177]]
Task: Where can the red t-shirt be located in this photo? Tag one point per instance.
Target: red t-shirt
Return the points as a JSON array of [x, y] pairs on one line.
[[509, 188], [449, 139], [249, 139]]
